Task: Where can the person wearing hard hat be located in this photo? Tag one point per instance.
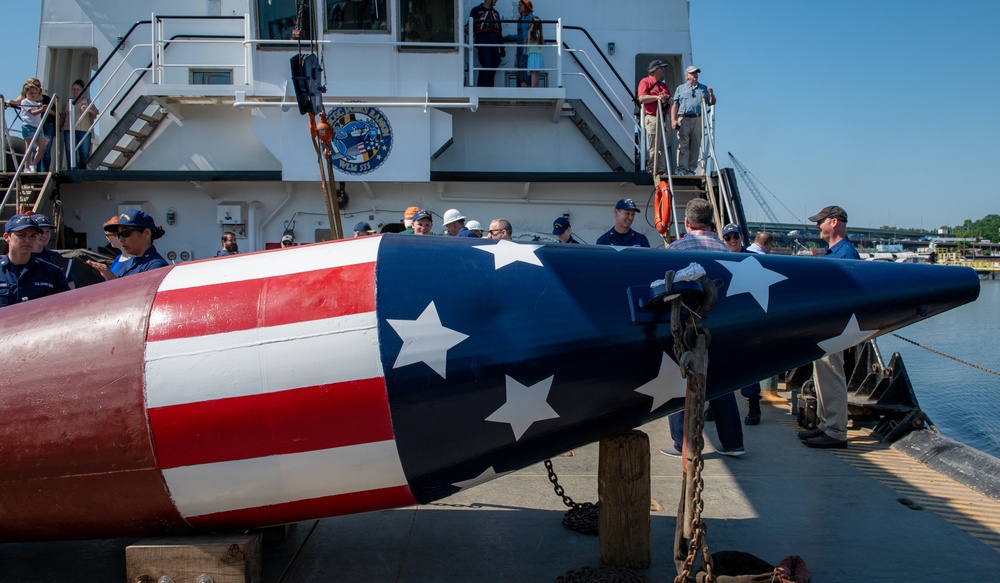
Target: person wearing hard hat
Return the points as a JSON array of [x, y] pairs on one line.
[[454, 221], [408, 219], [475, 228]]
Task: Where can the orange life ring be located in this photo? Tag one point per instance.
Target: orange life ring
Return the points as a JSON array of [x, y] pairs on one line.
[[662, 206]]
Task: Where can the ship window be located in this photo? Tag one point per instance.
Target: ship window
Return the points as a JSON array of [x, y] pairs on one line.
[[277, 18], [360, 15], [427, 21], [211, 76]]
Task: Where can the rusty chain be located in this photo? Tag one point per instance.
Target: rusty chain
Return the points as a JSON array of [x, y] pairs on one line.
[[691, 341]]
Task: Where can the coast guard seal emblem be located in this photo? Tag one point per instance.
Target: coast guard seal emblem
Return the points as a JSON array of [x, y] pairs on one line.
[[362, 139]]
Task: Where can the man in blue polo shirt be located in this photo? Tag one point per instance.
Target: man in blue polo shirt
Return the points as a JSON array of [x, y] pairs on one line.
[[23, 276], [828, 372], [685, 117], [622, 235]]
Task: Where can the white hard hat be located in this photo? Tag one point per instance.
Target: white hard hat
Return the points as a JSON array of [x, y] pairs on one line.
[[473, 225], [452, 215]]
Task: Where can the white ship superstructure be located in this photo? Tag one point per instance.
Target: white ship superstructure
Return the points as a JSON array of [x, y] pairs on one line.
[[198, 123]]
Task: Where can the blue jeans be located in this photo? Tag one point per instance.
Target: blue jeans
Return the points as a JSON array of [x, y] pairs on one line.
[[751, 391], [82, 148], [727, 423], [489, 59], [49, 130]]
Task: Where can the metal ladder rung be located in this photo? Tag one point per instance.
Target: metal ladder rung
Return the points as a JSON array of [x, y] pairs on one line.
[[149, 118]]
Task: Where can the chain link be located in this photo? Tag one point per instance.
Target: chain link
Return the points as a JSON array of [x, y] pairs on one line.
[[955, 358], [691, 341], [580, 517], [604, 574]]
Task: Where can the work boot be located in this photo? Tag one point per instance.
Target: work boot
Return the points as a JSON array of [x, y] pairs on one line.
[[753, 416]]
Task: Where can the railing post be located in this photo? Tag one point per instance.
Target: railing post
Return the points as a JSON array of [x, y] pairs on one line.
[[153, 47], [247, 51], [71, 113], [3, 133], [472, 51], [559, 52]]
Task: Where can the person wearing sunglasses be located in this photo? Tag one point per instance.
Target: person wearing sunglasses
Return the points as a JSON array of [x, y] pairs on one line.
[[733, 237], [23, 276], [701, 236], [136, 233]]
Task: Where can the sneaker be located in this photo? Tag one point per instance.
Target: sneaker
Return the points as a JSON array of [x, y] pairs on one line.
[[810, 433], [670, 451], [32, 169], [826, 442], [732, 452]]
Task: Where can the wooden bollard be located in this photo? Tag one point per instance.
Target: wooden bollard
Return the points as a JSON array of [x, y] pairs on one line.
[[624, 491]]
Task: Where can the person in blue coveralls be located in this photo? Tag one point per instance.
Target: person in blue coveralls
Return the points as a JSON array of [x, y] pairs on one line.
[[622, 235], [23, 276], [136, 233], [828, 372], [486, 32]]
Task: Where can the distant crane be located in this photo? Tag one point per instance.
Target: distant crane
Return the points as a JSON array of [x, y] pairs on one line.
[[752, 185]]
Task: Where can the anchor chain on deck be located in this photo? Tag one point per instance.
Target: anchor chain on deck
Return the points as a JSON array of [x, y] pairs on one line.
[[691, 341], [581, 517]]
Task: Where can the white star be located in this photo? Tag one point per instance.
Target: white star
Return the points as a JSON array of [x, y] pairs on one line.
[[750, 277], [486, 476], [506, 252], [667, 385], [425, 340], [851, 336], [524, 406]]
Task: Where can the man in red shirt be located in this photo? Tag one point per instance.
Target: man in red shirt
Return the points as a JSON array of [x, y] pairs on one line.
[[653, 93]]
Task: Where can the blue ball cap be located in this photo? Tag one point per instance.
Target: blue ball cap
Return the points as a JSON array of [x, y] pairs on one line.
[[560, 225], [363, 227], [20, 223], [626, 204], [43, 221], [422, 214], [731, 228], [136, 219]]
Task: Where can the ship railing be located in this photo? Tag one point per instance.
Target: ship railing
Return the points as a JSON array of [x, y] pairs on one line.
[[122, 80], [709, 160], [6, 145], [471, 48], [15, 184], [629, 133], [120, 91]]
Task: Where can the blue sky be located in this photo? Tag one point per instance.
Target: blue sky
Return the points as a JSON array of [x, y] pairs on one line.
[[885, 107]]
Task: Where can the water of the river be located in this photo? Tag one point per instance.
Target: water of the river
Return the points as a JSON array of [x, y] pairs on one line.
[[961, 400]]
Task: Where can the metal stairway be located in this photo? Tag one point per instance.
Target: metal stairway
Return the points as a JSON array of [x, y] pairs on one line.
[[129, 134], [25, 192], [599, 138]]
